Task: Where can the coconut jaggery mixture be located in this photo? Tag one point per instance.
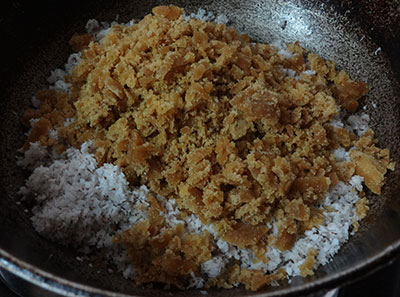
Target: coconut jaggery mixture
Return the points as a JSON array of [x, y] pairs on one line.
[[200, 114]]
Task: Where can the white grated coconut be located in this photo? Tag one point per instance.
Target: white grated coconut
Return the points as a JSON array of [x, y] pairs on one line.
[[358, 123], [79, 203], [282, 49], [207, 16]]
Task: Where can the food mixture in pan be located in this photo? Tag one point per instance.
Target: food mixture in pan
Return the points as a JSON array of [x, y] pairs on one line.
[[193, 157]]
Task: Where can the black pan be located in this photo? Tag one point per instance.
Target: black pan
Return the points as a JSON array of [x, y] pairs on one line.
[[363, 37]]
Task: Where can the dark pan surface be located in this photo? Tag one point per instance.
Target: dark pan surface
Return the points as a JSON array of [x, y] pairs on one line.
[[349, 32]]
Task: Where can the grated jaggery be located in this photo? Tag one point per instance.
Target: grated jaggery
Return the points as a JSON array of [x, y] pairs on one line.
[[164, 254], [200, 114]]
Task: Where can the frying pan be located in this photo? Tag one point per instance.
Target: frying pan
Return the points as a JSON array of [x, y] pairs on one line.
[[363, 37]]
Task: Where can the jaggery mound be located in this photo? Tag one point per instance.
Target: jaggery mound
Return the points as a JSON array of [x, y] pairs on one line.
[[200, 114]]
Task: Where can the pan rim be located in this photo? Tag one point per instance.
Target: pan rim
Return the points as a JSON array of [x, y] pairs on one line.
[[60, 285]]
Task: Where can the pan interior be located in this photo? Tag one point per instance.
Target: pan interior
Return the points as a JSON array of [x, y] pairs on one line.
[[39, 43]]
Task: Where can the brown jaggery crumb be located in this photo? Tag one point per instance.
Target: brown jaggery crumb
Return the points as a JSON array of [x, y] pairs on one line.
[[80, 41], [55, 108], [370, 161], [252, 279], [362, 207], [199, 114], [256, 279], [306, 268]]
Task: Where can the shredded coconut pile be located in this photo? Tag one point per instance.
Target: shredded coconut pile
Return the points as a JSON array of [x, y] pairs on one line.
[[79, 203]]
